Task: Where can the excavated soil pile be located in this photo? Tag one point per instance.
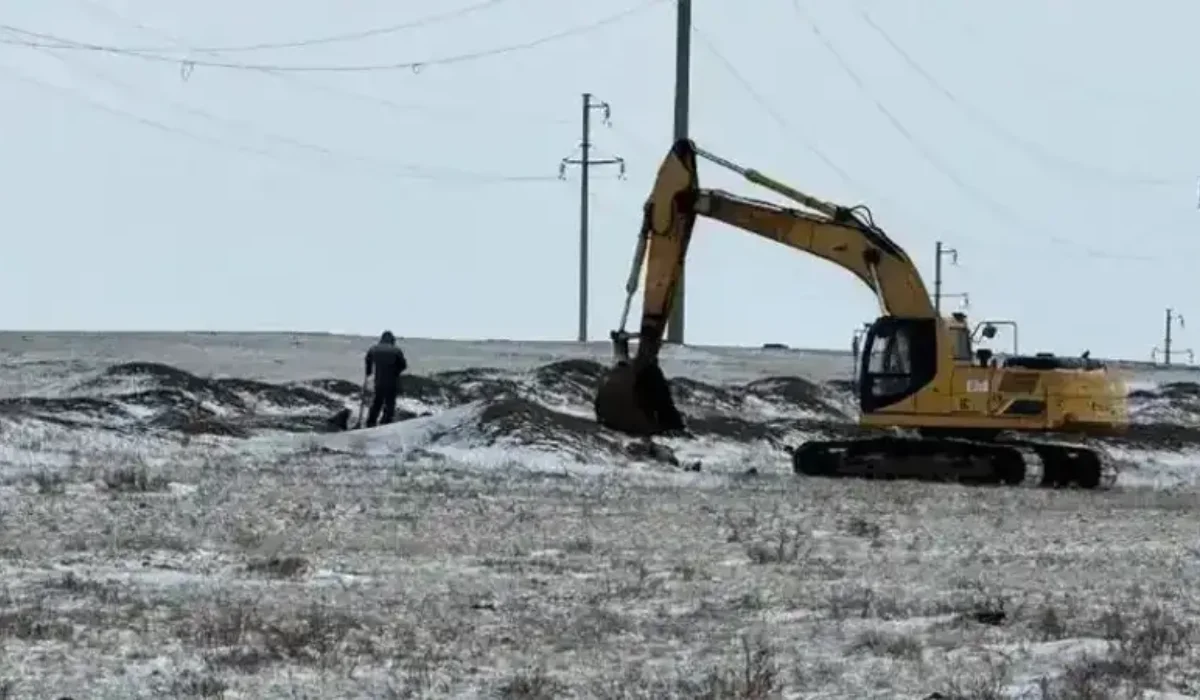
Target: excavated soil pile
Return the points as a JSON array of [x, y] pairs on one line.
[[547, 408]]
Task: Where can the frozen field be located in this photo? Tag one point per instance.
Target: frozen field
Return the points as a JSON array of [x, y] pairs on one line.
[[283, 356], [168, 533]]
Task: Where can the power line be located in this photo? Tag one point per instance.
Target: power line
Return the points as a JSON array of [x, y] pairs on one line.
[[794, 134], [398, 170], [376, 100], [774, 114], [931, 156], [1031, 148], [391, 168], [44, 41], [425, 21], [1050, 75]]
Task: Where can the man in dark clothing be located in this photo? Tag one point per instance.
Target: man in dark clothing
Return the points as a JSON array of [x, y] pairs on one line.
[[387, 362]]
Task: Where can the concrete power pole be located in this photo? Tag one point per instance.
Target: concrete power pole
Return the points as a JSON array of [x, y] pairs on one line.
[[856, 350], [683, 71], [1168, 341], [585, 162], [943, 251]]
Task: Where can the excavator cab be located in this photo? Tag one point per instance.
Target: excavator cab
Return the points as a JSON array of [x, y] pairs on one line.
[[900, 357]]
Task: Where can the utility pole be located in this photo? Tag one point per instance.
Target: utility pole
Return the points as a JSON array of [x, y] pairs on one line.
[[856, 349], [1166, 349], [683, 71], [943, 251], [585, 162]]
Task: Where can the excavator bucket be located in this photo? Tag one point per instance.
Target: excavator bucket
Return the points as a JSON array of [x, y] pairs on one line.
[[637, 402], [635, 397]]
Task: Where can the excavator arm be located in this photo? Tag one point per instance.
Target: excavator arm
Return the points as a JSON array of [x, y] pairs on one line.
[[635, 397]]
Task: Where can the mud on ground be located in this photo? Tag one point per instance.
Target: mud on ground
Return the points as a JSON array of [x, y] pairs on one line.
[[546, 408]]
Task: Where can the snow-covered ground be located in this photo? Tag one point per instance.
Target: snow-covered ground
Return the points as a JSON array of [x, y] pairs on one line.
[[184, 529]]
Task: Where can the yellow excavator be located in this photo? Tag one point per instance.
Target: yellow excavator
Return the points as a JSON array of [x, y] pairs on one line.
[[945, 410]]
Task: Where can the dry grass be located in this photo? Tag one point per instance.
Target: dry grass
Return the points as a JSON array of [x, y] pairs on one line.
[[1145, 645], [900, 646], [238, 634], [134, 479], [49, 483], [428, 582], [751, 673], [279, 566]]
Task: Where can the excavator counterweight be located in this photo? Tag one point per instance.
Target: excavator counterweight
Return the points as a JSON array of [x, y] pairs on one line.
[[965, 416]]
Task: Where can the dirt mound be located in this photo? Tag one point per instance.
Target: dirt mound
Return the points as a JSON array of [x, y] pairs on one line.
[[1161, 436], [517, 421], [1180, 390], [149, 397], [548, 408], [569, 381], [461, 386], [337, 387], [1172, 403], [822, 401]]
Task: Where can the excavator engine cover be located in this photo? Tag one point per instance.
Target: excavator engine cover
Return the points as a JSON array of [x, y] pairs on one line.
[[637, 403]]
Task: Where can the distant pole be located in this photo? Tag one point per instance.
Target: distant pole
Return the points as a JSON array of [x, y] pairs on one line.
[[942, 251], [1167, 341], [1168, 346], [683, 58], [585, 162], [856, 349]]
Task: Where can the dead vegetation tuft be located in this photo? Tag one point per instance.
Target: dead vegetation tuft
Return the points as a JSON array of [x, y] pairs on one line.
[[751, 674], [100, 591], [987, 680], [238, 635], [881, 643], [1049, 624], [861, 527], [1150, 640], [739, 526], [35, 622], [136, 479], [49, 483], [866, 602], [534, 684], [1144, 644], [192, 684], [756, 677], [784, 546], [279, 567]]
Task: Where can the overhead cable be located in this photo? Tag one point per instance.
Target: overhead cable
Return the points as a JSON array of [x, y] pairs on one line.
[[305, 81], [406, 171], [1031, 148], [50, 41], [794, 134], [426, 21], [996, 207], [774, 114]]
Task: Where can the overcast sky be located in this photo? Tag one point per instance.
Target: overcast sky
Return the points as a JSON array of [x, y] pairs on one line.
[[1052, 144]]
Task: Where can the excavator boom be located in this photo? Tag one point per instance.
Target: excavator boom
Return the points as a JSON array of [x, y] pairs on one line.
[[636, 398], [845, 236]]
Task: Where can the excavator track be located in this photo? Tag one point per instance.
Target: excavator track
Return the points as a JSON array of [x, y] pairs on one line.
[[1016, 462]]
